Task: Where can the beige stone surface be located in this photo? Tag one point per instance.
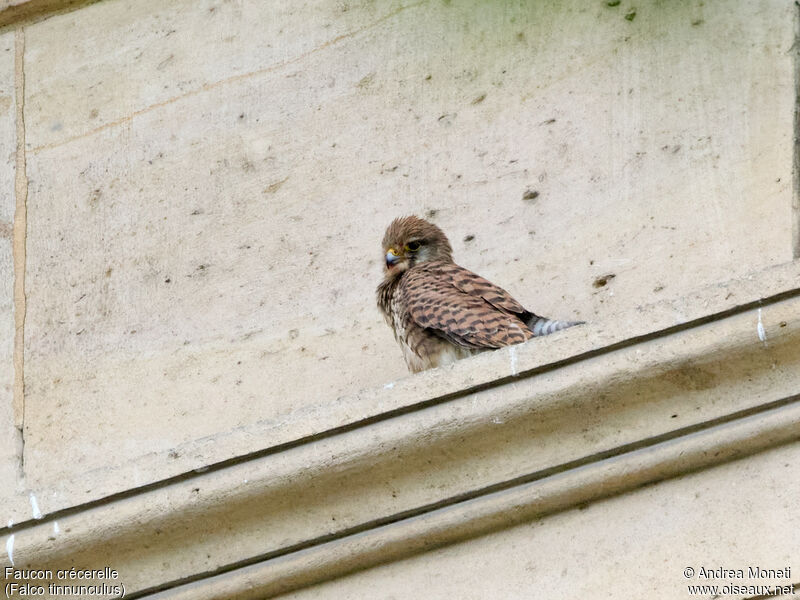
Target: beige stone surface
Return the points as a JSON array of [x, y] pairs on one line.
[[520, 447], [740, 515], [732, 369], [9, 459], [210, 182]]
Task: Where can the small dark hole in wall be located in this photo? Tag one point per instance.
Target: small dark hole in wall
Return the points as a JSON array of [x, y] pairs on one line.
[[603, 280], [530, 195]]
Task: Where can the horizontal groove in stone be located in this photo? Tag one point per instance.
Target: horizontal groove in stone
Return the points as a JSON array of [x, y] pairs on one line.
[[729, 440]]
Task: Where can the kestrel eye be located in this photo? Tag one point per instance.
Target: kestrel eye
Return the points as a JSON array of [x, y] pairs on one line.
[[413, 246]]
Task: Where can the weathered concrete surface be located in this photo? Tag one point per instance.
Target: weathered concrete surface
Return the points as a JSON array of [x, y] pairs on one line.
[[741, 377], [520, 447], [210, 182], [9, 459], [634, 546]]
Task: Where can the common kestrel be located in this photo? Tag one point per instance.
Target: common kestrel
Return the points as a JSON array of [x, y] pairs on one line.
[[441, 312]]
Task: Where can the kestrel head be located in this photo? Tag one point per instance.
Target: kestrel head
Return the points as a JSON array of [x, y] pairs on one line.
[[410, 241]]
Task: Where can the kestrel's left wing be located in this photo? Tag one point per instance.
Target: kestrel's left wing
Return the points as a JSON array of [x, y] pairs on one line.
[[463, 307]]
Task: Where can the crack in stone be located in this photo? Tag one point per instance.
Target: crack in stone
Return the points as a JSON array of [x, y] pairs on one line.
[[796, 140], [19, 244]]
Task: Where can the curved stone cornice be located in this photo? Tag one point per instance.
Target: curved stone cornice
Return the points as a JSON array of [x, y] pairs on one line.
[[498, 439]]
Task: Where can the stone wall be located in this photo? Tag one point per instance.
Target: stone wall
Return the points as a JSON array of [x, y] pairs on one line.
[[196, 192]]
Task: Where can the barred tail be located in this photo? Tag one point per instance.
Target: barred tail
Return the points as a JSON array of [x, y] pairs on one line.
[[544, 326]]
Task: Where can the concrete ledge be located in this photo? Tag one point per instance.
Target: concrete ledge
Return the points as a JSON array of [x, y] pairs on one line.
[[501, 426], [328, 417], [600, 478]]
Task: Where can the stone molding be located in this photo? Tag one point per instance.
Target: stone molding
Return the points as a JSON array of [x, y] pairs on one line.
[[501, 438]]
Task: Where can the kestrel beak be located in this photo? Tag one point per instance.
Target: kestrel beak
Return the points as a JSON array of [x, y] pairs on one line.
[[392, 258]]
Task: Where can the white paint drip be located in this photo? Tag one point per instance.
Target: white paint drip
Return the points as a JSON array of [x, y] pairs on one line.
[[388, 386], [10, 544], [37, 514], [56, 529], [513, 353], [762, 335]]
